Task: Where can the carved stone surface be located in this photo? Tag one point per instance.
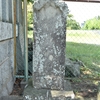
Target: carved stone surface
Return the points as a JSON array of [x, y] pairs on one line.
[[49, 44]]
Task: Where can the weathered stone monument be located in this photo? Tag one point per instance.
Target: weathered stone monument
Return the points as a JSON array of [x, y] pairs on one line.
[[49, 44], [49, 51]]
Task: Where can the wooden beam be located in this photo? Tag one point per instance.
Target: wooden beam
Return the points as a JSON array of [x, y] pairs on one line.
[[14, 31]]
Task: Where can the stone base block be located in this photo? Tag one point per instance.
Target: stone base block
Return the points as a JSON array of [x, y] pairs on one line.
[[12, 97], [23, 84], [31, 93]]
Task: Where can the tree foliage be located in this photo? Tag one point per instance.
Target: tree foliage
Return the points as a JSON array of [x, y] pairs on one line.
[[30, 20], [72, 24], [92, 24], [32, 1]]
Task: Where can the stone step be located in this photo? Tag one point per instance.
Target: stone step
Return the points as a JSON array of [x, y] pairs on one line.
[[13, 97]]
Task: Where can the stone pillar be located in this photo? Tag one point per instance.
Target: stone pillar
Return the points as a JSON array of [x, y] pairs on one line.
[[49, 44], [49, 52]]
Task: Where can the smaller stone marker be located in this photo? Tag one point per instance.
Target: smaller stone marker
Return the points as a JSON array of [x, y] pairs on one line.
[[49, 51]]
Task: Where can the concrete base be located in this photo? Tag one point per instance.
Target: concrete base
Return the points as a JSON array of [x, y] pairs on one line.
[[23, 84], [13, 97], [31, 93]]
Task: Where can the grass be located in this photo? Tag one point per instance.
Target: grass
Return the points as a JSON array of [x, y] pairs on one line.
[[84, 47], [85, 51], [84, 37]]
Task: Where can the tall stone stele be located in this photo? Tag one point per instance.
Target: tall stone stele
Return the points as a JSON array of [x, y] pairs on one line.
[[49, 44]]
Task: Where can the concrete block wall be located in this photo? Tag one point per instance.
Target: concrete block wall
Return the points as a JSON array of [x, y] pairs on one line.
[[6, 48], [6, 59], [7, 44]]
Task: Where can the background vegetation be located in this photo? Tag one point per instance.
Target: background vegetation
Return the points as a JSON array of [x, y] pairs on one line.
[[78, 44], [92, 24], [71, 23], [85, 50]]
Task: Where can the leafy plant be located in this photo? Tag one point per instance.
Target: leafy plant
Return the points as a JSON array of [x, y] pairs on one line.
[[92, 24], [72, 23]]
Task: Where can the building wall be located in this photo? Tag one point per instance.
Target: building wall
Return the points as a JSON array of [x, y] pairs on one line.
[[6, 58], [7, 45]]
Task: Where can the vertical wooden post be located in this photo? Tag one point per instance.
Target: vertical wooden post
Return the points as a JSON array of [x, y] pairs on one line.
[[14, 31]]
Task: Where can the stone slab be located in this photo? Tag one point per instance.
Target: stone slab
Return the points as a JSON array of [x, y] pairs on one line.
[[3, 51], [6, 77], [6, 31], [46, 94], [13, 97], [31, 93], [6, 50]]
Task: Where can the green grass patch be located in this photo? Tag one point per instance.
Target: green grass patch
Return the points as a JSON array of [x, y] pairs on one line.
[[87, 53], [77, 34], [83, 37]]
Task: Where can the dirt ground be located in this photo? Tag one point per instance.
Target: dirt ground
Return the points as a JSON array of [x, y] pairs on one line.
[[17, 88], [85, 89], [82, 89]]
